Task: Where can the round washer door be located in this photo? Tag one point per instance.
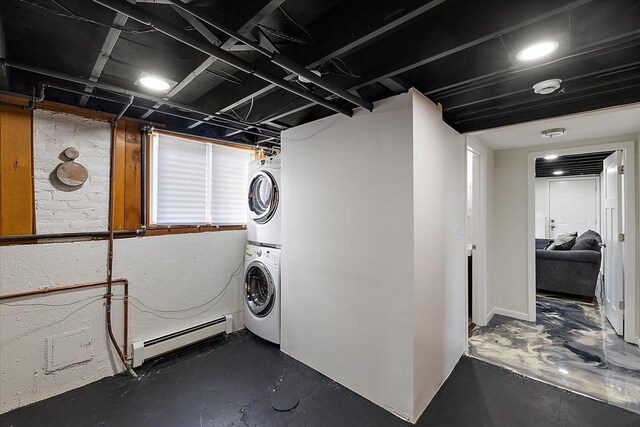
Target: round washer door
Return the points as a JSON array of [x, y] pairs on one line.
[[259, 290], [263, 197]]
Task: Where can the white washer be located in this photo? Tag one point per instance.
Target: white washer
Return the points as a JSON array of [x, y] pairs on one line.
[[263, 202], [262, 292]]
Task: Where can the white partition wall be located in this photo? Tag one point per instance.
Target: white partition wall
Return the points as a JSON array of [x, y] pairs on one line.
[[373, 270], [440, 319]]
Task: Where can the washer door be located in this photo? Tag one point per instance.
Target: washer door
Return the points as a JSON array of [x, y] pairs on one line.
[[263, 197], [259, 290]]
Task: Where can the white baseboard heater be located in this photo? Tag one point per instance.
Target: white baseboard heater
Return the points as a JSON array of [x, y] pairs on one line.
[[145, 350]]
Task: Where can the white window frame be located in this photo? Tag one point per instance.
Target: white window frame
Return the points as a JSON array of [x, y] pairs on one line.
[[153, 148]]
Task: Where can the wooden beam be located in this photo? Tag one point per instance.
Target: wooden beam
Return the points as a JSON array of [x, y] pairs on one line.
[[16, 170], [132, 179], [119, 179]]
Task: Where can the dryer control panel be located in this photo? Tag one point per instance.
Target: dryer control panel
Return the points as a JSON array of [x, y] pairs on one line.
[[272, 256], [267, 255]]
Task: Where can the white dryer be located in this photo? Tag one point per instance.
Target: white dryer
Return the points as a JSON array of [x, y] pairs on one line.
[[262, 292], [263, 202]]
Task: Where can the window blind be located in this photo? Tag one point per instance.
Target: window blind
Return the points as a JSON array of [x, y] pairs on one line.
[[197, 183], [230, 169]]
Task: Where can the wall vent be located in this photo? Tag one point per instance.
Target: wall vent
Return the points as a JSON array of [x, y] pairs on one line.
[[145, 350]]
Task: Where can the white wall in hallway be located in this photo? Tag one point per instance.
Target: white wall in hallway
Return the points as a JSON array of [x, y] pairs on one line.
[[439, 190]]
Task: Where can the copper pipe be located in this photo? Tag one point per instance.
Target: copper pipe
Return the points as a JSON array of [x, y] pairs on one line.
[[65, 288], [54, 289]]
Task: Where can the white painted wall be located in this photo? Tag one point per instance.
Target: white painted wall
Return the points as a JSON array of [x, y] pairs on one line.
[[354, 268], [347, 263], [165, 273], [507, 263], [439, 306], [60, 209]]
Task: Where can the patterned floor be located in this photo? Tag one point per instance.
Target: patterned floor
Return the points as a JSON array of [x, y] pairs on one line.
[[570, 345]]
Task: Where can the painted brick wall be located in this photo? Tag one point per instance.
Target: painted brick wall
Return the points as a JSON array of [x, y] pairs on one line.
[[59, 209]]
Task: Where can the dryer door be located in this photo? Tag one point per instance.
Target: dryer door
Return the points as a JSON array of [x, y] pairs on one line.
[[259, 290], [263, 197]]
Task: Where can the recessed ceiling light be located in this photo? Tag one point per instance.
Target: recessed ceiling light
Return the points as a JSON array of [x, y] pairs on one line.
[[552, 133], [538, 50], [558, 172], [546, 87], [551, 157], [154, 83]]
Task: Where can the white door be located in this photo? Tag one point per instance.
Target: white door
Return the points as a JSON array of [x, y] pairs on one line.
[[612, 252], [572, 206], [474, 238]]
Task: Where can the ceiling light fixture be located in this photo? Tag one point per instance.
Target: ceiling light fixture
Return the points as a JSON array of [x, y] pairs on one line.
[[558, 172], [154, 83], [552, 133], [546, 87], [551, 157], [538, 50]]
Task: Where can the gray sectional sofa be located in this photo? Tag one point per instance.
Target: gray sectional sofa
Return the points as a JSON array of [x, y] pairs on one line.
[[574, 271]]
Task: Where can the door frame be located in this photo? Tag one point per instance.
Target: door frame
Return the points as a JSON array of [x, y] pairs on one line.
[[479, 314], [629, 215], [596, 178]]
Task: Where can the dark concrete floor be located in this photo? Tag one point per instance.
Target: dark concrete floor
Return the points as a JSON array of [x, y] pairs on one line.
[[229, 383]]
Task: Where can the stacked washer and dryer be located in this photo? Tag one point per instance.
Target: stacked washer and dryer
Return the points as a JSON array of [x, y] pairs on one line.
[[262, 257]]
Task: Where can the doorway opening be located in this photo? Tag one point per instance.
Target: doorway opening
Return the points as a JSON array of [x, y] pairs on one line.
[[573, 177], [580, 330], [476, 233]]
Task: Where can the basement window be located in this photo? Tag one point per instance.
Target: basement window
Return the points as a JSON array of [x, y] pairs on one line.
[[193, 182]]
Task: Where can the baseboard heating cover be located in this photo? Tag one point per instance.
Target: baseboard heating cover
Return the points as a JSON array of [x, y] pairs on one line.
[[148, 349]]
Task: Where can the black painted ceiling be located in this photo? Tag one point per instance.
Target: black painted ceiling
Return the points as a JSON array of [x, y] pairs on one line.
[[460, 53], [572, 165]]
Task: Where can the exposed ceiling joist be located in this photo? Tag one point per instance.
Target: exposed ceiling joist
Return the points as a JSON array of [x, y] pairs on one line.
[[619, 70], [198, 26], [434, 53], [461, 54], [481, 33], [357, 43], [105, 52], [252, 20]]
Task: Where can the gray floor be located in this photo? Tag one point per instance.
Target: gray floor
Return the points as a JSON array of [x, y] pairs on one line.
[[571, 345], [230, 383]]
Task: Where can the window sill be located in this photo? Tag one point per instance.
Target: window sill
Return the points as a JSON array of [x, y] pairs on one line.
[[159, 230]]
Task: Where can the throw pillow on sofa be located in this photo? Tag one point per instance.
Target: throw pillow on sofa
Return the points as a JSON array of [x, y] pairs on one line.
[[588, 241], [563, 242]]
